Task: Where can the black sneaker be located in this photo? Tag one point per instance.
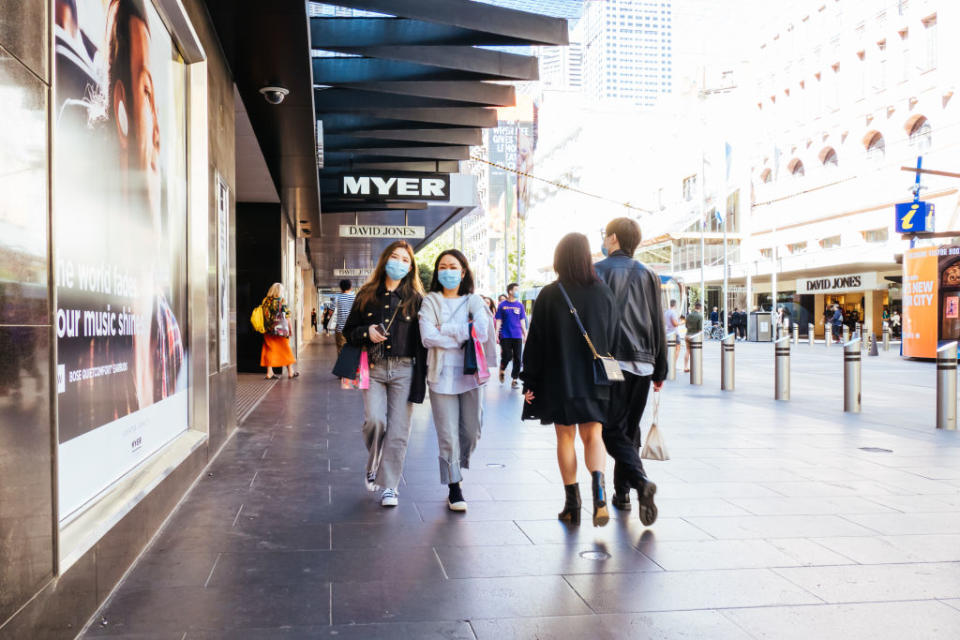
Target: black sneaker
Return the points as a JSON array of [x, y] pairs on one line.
[[456, 501], [621, 499], [648, 510]]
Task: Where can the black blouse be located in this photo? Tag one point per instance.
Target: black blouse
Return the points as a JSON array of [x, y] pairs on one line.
[[404, 338]]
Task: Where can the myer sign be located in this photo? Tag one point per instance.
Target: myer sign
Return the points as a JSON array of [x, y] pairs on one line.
[[380, 231], [429, 186], [838, 284]]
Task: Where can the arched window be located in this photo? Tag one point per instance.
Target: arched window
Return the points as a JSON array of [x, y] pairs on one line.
[[766, 176], [918, 128], [875, 145], [828, 158], [796, 168]]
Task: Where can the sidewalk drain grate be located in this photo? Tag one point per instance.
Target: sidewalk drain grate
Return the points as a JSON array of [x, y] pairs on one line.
[[595, 555], [496, 465], [876, 450]]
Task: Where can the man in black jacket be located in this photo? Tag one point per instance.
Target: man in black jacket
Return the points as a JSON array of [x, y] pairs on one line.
[[642, 353]]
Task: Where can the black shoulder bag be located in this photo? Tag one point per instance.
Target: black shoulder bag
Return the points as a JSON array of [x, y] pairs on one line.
[[606, 370]]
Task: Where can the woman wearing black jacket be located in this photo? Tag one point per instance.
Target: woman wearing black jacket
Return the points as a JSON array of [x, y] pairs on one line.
[[558, 380], [384, 320]]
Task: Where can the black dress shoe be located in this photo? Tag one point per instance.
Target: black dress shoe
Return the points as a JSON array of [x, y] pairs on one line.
[[621, 500]]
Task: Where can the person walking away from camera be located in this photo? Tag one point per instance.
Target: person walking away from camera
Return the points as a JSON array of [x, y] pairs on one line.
[[344, 302], [384, 321], [313, 320], [641, 350], [558, 375], [511, 318], [276, 350], [456, 398], [694, 325]]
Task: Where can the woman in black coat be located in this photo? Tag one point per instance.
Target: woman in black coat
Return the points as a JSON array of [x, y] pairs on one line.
[[558, 380]]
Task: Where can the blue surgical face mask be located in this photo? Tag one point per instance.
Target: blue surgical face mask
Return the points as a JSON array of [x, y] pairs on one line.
[[604, 251], [397, 269], [449, 278]]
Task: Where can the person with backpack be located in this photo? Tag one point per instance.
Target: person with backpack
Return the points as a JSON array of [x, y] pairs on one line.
[[449, 312], [276, 350], [573, 318], [641, 351]]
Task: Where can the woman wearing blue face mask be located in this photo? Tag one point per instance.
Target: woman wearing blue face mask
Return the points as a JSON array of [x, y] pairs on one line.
[[455, 397], [384, 321]]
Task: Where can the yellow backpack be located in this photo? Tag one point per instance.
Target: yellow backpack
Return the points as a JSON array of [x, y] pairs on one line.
[[256, 319]]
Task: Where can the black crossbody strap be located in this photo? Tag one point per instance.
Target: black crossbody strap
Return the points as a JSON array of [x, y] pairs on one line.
[[576, 316]]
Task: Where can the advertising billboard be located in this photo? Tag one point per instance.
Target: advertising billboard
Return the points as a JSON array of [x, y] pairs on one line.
[[119, 229], [920, 303]]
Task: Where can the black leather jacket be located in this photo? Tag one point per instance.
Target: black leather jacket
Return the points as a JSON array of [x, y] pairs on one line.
[[641, 336]]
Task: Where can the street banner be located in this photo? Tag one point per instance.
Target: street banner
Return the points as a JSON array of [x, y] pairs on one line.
[[920, 275]]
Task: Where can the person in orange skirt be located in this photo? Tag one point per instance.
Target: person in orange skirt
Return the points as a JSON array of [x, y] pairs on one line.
[[276, 350]]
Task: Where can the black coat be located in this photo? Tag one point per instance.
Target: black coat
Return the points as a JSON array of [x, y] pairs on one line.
[[404, 337], [641, 336], [557, 363]]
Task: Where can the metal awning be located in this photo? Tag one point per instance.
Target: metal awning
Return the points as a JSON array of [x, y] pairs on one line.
[[409, 91]]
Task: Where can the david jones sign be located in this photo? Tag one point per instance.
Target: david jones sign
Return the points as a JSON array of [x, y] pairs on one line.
[[380, 231], [433, 186], [833, 284]]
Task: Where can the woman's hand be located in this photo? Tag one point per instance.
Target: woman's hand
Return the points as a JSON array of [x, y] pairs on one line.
[[375, 335], [528, 396]]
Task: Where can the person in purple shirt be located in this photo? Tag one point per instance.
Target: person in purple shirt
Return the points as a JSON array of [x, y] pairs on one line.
[[511, 322]]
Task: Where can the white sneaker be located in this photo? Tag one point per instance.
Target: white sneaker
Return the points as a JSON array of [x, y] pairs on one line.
[[389, 498], [370, 481]]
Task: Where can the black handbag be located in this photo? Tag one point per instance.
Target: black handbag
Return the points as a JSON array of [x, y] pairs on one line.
[[606, 370], [348, 362], [470, 365]]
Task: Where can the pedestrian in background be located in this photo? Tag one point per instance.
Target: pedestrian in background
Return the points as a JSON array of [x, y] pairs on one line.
[[511, 319], [671, 322], [313, 320], [344, 302], [641, 350], [276, 350], [694, 325], [558, 369], [456, 397], [384, 322]]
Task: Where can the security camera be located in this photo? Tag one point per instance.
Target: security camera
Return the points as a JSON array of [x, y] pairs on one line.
[[274, 95]]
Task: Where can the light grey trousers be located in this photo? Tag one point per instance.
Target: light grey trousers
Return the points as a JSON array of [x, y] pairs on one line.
[[458, 419], [386, 424]]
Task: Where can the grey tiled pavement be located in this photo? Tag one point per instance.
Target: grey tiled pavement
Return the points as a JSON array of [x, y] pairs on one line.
[[776, 521]]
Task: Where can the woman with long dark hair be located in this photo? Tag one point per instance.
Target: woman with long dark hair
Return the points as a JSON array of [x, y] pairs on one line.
[[384, 322], [456, 397], [558, 379]]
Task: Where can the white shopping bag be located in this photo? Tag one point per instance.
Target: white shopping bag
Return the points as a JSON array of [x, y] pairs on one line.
[[654, 447]]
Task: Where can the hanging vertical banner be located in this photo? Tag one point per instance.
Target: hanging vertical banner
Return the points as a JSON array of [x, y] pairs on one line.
[[920, 302], [120, 232], [524, 167], [223, 269]]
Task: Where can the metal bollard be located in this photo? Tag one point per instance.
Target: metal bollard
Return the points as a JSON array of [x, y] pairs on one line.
[[846, 334], [828, 334], [886, 336], [851, 376], [781, 380], [695, 344], [796, 334], [672, 356], [727, 346], [947, 387], [810, 331]]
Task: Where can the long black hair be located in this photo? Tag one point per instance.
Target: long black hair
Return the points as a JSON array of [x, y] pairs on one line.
[[466, 285], [571, 260]]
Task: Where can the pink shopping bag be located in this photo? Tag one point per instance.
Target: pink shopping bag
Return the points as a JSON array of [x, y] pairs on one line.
[[483, 371], [363, 373]]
